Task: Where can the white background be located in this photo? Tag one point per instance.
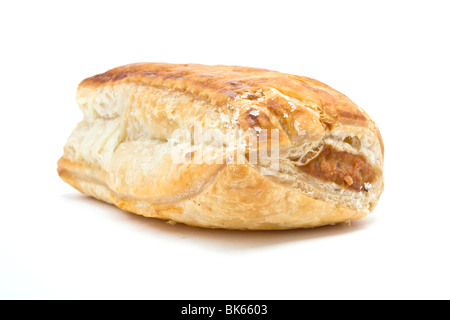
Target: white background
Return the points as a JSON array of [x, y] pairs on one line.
[[390, 57]]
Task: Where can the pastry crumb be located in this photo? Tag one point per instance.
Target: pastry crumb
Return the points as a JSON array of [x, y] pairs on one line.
[[349, 180]]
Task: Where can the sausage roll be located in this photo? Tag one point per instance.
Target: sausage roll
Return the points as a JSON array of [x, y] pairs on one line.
[[224, 147]]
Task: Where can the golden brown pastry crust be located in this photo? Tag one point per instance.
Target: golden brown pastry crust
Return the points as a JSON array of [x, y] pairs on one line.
[[121, 152]]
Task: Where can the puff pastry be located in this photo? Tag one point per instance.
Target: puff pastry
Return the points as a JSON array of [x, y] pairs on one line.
[[330, 152]]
